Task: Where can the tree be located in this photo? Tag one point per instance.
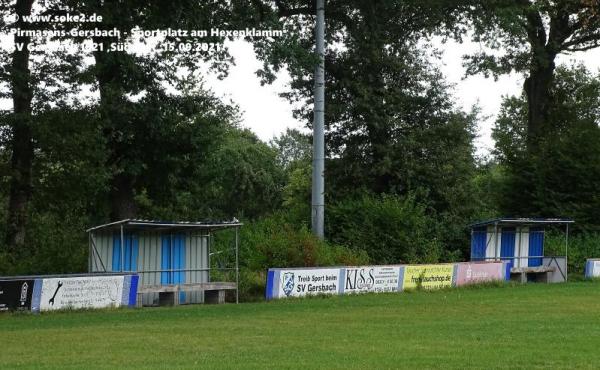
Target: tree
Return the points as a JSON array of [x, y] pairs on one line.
[[21, 144], [392, 127], [121, 75], [561, 178], [532, 34]]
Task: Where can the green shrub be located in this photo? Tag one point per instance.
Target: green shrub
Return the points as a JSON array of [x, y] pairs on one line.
[[582, 246], [275, 242], [390, 229]]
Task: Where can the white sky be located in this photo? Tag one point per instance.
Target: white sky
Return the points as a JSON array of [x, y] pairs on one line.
[[268, 115]]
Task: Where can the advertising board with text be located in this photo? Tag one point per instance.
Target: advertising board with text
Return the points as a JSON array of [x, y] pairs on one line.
[[81, 292], [371, 279], [428, 276], [16, 295], [473, 273], [298, 283]]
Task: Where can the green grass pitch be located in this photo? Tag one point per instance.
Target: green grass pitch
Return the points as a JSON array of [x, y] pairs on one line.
[[531, 326]]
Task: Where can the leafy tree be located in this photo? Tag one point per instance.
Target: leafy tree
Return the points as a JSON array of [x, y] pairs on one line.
[[122, 76], [392, 127], [17, 74], [560, 180], [294, 148], [532, 33], [245, 177], [34, 81]]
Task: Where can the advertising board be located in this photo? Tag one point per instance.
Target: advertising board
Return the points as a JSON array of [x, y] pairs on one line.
[[298, 282], [86, 292], [16, 295], [373, 279], [302, 282], [428, 276], [473, 273]]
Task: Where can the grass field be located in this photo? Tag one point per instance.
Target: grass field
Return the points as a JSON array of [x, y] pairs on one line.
[[493, 327]]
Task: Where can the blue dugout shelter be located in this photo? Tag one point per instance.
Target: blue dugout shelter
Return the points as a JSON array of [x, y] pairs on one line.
[[519, 242], [173, 259]]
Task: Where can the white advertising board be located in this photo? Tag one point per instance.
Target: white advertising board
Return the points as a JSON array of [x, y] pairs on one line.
[[299, 283], [81, 292], [377, 279]]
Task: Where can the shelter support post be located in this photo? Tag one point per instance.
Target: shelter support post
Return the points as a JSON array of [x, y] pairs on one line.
[[497, 255], [237, 267], [567, 253], [122, 249]]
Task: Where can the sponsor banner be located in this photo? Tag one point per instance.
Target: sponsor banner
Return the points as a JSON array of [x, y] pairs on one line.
[[375, 279], [428, 276], [16, 295], [473, 273], [82, 292], [299, 283]]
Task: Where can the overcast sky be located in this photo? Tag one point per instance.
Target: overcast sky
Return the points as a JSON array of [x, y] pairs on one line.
[[268, 115]]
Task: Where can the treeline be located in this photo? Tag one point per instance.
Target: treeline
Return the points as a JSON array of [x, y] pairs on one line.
[[97, 137]]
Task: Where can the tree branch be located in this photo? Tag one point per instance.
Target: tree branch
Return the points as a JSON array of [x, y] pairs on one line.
[[594, 37]]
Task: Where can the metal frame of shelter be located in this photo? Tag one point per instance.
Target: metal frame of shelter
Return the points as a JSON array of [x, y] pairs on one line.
[[150, 225], [498, 223]]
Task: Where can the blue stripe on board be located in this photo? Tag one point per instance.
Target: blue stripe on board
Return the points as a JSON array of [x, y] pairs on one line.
[[36, 295], [133, 287], [270, 281]]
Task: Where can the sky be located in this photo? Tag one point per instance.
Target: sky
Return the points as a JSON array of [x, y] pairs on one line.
[[268, 115]]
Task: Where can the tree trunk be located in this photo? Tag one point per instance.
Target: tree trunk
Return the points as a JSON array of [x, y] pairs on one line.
[[122, 198], [22, 141], [537, 88]]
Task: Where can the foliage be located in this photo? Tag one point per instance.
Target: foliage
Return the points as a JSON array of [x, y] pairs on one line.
[[390, 229], [561, 178], [274, 242], [582, 245], [244, 176], [532, 33]]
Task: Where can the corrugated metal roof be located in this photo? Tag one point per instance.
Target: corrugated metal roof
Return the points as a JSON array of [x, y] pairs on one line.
[[140, 224], [523, 221]]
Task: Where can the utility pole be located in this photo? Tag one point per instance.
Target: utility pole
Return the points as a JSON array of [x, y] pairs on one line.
[[318, 171]]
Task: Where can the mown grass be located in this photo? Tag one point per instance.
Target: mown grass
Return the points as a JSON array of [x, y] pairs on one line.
[[532, 326]]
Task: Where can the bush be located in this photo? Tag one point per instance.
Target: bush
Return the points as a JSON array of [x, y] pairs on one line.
[[390, 229], [275, 242], [582, 246]]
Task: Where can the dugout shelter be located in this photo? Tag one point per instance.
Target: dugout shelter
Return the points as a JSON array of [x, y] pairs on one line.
[[520, 243], [172, 259]]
